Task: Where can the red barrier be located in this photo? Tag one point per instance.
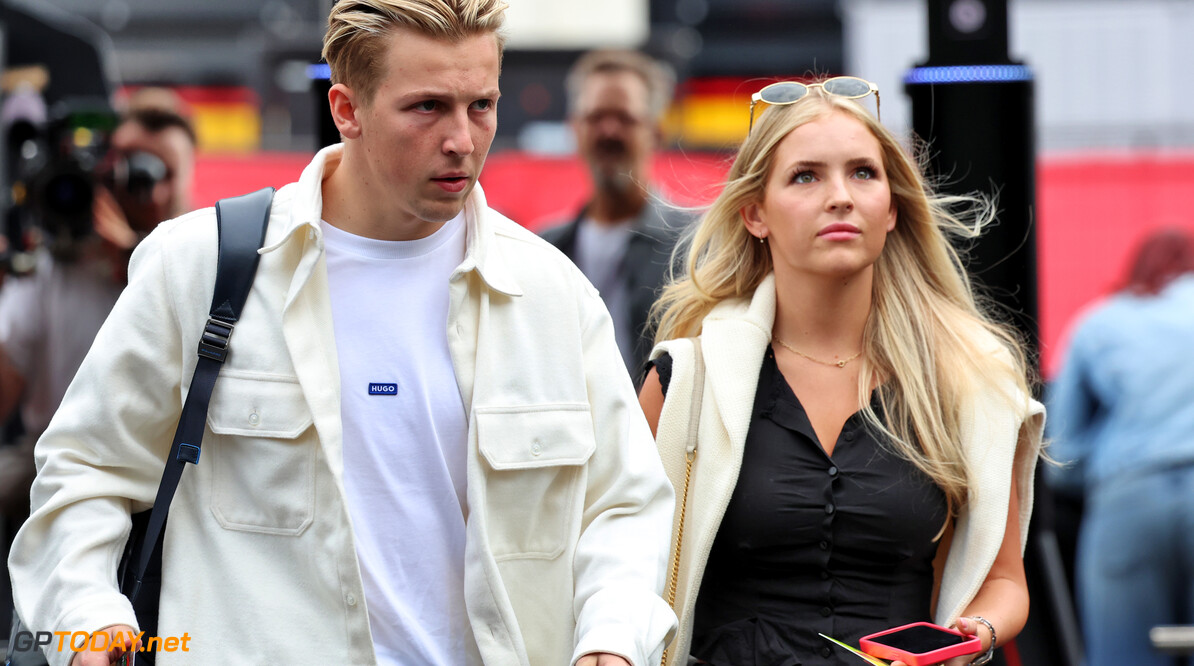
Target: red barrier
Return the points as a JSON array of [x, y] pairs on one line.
[[1093, 208]]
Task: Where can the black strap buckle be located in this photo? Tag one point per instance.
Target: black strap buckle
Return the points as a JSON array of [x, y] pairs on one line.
[[188, 453], [214, 343]]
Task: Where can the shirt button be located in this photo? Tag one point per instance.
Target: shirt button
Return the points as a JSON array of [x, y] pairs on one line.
[[824, 575], [825, 611], [825, 652], [850, 436], [350, 600], [536, 448], [832, 471], [254, 419], [828, 508], [824, 545]]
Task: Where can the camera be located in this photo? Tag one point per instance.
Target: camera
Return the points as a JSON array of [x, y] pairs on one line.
[[56, 166]]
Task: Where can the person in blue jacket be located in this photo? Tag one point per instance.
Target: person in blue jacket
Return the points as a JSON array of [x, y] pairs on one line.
[[1122, 418]]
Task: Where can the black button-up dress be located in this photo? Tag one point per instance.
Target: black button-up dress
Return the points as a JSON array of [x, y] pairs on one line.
[[811, 543]]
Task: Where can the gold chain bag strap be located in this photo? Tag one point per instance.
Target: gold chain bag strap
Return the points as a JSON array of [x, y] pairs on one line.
[[694, 421]]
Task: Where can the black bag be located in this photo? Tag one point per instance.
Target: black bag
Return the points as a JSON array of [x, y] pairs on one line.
[[242, 223]]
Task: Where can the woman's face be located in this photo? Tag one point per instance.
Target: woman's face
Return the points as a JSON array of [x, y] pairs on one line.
[[827, 208]]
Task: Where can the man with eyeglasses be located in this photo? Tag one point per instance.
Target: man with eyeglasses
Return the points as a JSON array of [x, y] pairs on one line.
[[622, 238]]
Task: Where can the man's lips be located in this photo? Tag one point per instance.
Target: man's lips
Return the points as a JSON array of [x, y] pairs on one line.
[[454, 182]]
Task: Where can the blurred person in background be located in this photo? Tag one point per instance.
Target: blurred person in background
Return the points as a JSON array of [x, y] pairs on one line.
[[49, 319], [866, 449], [622, 238], [1122, 420]]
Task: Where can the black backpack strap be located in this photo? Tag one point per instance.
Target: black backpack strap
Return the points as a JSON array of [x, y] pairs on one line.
[[242, 223]]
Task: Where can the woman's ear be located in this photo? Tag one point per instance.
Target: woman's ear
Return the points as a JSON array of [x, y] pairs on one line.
[[752, 219], [892, 217], [342, 102]]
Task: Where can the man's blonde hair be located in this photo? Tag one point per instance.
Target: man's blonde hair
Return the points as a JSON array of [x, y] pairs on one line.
[[355, 41]]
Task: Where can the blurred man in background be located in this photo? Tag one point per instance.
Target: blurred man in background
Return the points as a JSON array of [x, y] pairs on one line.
[[49, 319], [622, 238]]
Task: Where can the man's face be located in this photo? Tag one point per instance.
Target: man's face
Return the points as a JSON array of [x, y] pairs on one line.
[[424, 136], [170, 196], [615, 134]]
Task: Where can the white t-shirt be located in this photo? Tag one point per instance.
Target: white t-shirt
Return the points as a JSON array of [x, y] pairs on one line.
[[405, 439], [47, 324], [600, 249]]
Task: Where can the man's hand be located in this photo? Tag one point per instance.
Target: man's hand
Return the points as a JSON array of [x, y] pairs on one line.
[[120, 638], [601, 659], [113, 227]]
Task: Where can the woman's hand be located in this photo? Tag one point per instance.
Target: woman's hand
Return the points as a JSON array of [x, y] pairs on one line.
[[970, 627]]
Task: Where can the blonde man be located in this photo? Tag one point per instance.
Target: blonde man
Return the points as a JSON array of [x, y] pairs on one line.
[[423, 449]]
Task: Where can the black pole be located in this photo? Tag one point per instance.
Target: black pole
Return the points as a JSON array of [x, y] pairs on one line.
[[973, 105]]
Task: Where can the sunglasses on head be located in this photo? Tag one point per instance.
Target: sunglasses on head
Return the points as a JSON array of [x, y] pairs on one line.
[[788, 92]]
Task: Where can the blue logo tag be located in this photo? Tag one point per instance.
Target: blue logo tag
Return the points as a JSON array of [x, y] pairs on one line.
[[383, 389]]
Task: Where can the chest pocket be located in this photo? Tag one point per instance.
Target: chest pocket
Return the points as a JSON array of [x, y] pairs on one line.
[[534, 490], [263, 468]]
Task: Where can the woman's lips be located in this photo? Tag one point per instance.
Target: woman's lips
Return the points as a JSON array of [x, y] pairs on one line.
[[840, 232]]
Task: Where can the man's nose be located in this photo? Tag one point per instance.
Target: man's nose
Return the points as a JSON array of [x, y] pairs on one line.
[[458, 138], [610, 126]]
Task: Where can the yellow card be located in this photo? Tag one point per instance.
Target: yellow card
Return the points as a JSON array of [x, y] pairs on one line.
[[862, 655]]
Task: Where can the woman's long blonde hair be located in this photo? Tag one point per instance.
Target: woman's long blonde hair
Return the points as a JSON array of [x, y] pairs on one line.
[[926, 337]]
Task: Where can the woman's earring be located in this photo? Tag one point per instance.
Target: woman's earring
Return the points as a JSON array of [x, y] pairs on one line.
[[761, 240]]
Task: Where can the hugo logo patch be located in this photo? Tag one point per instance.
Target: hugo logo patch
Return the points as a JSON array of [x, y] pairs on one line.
[[382, 389]]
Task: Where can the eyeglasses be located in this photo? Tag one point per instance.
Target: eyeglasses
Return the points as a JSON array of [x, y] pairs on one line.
[[788, 92]]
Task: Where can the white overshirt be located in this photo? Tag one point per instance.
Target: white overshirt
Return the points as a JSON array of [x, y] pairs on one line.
[[566, 540]]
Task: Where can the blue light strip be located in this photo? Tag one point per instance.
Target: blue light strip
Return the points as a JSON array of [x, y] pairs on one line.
[[319, 71], [969, 74]]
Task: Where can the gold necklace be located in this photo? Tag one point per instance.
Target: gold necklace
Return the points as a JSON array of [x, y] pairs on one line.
[[835, 364]]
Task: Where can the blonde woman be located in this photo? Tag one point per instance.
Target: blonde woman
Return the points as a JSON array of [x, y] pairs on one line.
[[866, 440]]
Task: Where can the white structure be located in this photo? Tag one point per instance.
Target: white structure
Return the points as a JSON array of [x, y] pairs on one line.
[[557, 24], [1110, 74]]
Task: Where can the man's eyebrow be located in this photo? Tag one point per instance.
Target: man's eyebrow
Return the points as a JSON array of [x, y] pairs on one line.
[[429, 93]]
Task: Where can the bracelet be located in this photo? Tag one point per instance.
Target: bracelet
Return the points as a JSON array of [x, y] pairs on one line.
[[987, 656]]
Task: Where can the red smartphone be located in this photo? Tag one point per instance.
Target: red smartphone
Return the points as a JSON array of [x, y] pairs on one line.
[[919, 644]]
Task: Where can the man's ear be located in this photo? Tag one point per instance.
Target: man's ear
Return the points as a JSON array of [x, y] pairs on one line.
[[343, 104], [752, 218]]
